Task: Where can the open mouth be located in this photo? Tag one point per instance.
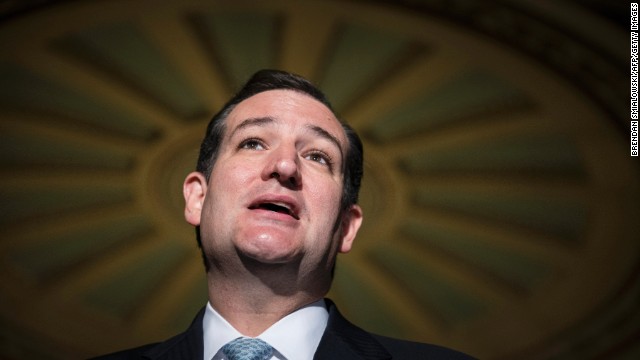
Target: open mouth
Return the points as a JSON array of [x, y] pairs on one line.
[[276, 207]]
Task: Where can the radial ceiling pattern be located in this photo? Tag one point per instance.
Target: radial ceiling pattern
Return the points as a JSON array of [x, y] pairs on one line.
[[500, 202]]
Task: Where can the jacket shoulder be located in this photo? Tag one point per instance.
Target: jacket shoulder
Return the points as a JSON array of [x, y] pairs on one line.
[[403, 349], [187, 345], [129, 354], [342, 335]]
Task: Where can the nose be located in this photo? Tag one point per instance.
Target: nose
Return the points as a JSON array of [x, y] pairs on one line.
[[283, 165]]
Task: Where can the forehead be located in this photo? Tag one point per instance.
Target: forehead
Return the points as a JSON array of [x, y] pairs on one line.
[[289, 107]]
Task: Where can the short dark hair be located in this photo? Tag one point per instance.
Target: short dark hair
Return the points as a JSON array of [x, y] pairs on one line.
[[265, 80]]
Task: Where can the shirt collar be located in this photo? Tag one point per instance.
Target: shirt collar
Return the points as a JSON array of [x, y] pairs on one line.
[[296, 336]]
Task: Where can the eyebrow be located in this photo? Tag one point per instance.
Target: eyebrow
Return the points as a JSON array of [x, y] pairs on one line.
[[259, 121], [326, 135], [262, 121]]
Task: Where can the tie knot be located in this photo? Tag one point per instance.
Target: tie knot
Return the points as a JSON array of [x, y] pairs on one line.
[[244, 348]]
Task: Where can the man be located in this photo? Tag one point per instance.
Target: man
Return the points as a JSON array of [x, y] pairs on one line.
[[274, 200]]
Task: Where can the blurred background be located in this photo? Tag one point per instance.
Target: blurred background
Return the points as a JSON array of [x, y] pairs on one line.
[[501, 203]]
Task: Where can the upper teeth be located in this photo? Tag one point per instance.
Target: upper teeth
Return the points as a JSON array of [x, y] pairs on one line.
[[282, 205]]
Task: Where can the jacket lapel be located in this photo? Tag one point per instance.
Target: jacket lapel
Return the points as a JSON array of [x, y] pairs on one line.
[[343, 340]]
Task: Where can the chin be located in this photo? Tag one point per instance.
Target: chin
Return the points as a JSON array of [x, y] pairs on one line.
[[272, 252], [274, 256]]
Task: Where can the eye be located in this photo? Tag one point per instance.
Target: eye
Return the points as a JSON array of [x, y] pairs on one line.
[[320, 157], [252, 144]]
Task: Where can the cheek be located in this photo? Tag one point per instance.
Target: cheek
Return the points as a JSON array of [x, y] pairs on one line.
[[327, 198], [232, 176], [226, 188]]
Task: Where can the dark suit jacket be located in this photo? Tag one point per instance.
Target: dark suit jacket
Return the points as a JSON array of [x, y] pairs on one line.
[[340, 341]]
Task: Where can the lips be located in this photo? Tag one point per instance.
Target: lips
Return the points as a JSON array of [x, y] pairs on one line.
[[278, 204]]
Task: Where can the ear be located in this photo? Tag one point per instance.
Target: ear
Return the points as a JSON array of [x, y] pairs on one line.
[[351, 222], [194, 190]]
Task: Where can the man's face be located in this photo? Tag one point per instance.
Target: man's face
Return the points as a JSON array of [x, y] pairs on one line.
[[275, 189]]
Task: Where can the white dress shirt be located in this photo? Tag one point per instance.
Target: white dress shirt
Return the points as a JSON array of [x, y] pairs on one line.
[[294, 337]]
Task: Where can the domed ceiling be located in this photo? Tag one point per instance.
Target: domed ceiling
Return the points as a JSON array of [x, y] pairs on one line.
[[501, 203]]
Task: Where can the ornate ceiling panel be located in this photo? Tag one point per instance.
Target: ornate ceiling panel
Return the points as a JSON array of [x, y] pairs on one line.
[[500, 202]]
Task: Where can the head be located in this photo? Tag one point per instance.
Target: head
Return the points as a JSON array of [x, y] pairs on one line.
[[350, 169]]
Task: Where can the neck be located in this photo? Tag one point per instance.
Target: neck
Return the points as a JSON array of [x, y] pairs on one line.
[[256, 297]]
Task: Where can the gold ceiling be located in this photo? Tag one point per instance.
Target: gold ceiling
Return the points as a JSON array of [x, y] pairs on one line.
[[501, 203]]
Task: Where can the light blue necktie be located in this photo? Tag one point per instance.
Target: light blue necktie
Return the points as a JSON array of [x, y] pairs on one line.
[[244, 348]]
